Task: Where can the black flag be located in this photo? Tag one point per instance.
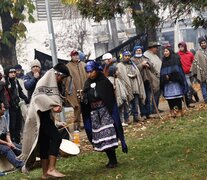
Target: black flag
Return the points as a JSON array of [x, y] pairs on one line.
[[46, 60]]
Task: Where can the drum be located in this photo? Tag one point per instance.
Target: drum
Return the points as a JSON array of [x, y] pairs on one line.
[[68, 148]]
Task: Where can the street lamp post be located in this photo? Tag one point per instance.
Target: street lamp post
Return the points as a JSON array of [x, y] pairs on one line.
[[51, 33], [52, 44]]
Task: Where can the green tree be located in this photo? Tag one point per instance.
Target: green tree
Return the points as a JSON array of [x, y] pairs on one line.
[[184, 8], [146, 13], [12, 15]]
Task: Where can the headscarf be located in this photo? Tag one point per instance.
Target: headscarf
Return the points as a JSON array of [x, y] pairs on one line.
[[184, 45], [62, 68], [125, 53], [112, 70], [172, 59], [137, 47], [93, 65]]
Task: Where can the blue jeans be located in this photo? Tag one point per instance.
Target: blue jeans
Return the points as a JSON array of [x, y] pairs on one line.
[[145, 108], [10, 155], [204, 90], [7, 117]]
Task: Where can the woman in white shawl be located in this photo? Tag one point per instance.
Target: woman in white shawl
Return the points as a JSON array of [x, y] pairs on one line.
[[40, 127]]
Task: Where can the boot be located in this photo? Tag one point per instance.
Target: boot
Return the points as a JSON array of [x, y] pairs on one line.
[[188, 101], [135, 119], [172, 113], [179, 113], [111, 154]]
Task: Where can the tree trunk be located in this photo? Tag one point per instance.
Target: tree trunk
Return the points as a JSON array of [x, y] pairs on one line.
[[152, 34], [8, 52], [8, 55]]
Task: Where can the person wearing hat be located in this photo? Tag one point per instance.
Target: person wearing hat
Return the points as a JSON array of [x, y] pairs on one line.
[[32, 77], [120, 92], [40, 127], [19, 71], [100, 114], [151, 54], [78, 75], [128, 70], [20, 76], [151, 82], [15, 92], [107, 61], [199, 68]]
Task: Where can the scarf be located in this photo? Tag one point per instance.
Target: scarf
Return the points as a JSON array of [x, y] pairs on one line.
[[171, 67]]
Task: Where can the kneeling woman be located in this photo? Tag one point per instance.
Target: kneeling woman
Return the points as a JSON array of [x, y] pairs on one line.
[[172, 81], [100, 114]]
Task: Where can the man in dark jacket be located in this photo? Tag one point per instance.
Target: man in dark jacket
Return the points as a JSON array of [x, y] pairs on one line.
[[14, 90], [32, 77]]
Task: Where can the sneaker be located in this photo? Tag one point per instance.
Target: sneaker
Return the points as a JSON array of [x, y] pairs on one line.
[[124, 124]]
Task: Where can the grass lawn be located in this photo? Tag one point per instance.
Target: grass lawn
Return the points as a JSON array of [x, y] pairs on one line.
[[167, 149]]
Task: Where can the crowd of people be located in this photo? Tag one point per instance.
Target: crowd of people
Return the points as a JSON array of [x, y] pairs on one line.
[[105, 93]]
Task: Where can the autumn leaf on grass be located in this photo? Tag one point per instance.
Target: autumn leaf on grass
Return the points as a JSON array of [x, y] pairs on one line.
[[118, 176], [187, 151]]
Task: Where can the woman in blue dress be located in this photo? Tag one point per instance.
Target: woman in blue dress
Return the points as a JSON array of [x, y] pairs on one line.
[[172, 81], [100, 114]]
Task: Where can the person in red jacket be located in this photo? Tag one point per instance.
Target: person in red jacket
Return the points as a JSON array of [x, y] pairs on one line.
[[187, 58]]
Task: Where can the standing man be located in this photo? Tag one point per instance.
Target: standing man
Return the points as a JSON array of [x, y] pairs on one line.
[[151, 54], [40, 126], [32, 77], [199, 68], [20, 77], [128, 68], [187, 58], [150, 80], [15, 92], [79, 76], [107, 62]]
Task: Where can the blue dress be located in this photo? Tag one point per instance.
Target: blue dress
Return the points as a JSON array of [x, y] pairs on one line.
[[172, 90]]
